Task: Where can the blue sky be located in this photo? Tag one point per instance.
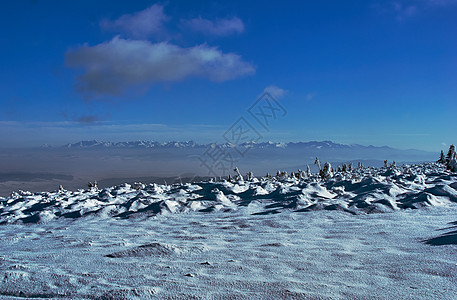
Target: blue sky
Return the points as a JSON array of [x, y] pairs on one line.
[[367, 72]]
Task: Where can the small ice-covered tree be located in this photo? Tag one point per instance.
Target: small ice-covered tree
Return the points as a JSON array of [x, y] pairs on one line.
[[450, 154], [326, 171], [350, 167], [238, 177], [93, 185], [452, 165], [385, 164], [318, 163], [451, 159], [308, 171], [249, 176], [344, 168], [442, 159]]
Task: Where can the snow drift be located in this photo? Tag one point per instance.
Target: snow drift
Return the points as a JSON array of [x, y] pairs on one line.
[[364, 190]]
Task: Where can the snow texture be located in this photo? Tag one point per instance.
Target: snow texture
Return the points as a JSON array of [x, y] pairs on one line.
[[364, 190], [293, 238]]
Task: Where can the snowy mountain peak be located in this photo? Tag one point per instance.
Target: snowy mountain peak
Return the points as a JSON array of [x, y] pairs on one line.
[[317, 145]]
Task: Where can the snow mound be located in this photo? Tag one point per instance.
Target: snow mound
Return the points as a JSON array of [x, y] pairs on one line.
[[153, 249], [363, 190]]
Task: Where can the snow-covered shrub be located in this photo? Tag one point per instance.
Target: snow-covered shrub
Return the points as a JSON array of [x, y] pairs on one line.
[[93, 185], [138, 186]]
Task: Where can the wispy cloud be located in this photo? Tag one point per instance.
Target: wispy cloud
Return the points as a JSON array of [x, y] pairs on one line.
[[141, 24], [441, 2], [115, 66], [219, 27], [88, 119], [406, 9], [310, 96], [275, 91]]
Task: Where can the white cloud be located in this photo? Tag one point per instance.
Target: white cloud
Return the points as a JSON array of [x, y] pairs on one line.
[[219, 27], [140, 24], [115, 66], [275, 91]]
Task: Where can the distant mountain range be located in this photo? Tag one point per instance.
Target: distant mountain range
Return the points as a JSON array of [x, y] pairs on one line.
[[318, 145]]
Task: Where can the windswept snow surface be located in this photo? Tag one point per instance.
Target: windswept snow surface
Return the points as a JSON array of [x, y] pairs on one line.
[[370, 233], [360, 191]]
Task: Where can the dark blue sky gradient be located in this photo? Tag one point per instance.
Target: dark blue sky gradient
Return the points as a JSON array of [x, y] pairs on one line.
[[366, 72]]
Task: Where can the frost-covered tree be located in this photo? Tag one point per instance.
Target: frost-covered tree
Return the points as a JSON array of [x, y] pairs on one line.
[[344, 168], [318, 163], [249, 176], [452, 165], [442, 159], [238, 177], [385, 164], [326, 172], [93, 184], [308, 171], [451, 159], [450, 154], [350, 167]]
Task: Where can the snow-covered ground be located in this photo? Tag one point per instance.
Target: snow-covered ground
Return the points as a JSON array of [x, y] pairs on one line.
[[354, 236]]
